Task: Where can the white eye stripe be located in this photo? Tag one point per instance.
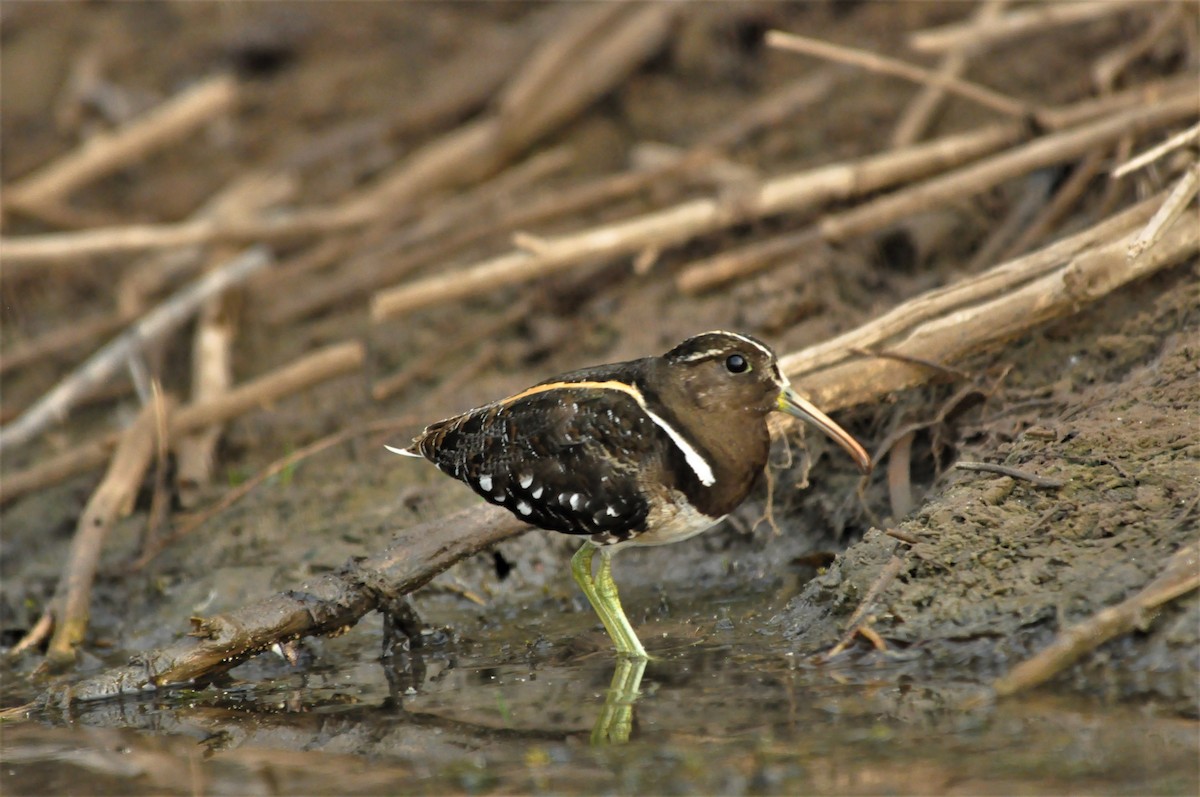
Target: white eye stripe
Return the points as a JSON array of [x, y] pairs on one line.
[[770, 355], [701, 355]]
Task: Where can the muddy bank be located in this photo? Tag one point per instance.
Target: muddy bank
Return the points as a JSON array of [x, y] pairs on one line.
[[1001, 564]]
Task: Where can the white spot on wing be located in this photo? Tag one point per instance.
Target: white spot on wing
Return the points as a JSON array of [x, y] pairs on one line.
[[611, 511], [576, 500], [485, 482], [537, 493], [525, 481], [524, 508]]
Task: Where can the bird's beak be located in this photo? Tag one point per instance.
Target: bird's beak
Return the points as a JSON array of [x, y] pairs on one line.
[[799, 407]]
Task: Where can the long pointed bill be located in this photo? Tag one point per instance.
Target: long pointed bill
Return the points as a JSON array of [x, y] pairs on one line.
[[799, 407]]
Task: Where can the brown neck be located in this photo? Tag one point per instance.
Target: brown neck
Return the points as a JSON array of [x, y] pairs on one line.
[[734, 441]]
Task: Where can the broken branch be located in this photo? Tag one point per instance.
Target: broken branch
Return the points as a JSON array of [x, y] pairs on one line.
[[327, 605], [1172, 207], [955, 333], [941, 301]]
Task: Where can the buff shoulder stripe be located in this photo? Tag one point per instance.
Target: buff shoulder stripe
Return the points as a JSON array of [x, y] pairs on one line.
[[695, 460]]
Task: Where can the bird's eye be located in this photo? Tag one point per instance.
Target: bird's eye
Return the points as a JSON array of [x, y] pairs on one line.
[[736, 364]]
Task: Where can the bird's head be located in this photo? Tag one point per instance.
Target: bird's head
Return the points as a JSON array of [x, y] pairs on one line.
[[726, 370]]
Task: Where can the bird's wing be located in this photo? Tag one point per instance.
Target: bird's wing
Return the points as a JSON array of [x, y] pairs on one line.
[[563, 455]]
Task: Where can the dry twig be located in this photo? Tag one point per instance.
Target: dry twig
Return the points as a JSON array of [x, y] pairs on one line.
[[899, 476], [970, 180], [673, 225], [437, 357], [1107, 70], [312, 369], [1180, 139], [106, 362], [112, 499], [53, 344], [69, 246], [216, 326], [1065, 198], [481, 147], [916, 116], [742, 261], [1004, 470], [617, 40], [598, 48], [1034, 192], [1040, 18], [890, 66], [432, 238], [105, 153], [858, 620]]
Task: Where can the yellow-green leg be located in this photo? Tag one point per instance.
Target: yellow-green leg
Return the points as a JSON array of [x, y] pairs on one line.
[[601, 592]]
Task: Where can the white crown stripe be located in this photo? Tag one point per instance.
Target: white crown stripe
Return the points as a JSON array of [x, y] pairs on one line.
[[751, 341], [700, 355]]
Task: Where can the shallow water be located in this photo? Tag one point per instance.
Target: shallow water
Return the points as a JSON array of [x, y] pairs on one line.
[[723, 715]]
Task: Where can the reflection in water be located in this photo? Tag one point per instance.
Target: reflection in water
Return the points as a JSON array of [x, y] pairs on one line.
[[616, 718], [406, 674], [710, 719]]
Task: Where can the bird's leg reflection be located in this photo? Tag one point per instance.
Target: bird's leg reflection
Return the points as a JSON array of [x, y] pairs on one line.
[[616, 718]]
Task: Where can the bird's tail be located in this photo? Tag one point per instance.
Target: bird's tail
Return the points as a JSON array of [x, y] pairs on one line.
[[405, 452]]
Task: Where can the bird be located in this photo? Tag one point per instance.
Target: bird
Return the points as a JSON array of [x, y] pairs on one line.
[[650, 451]]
